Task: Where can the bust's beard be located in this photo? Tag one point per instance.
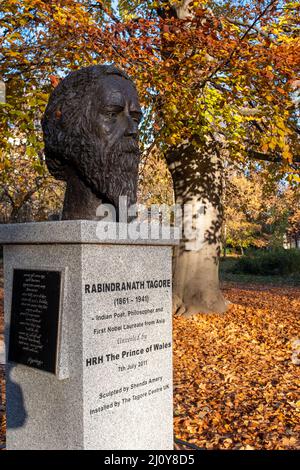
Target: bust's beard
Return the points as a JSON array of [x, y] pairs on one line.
[[111, 173]]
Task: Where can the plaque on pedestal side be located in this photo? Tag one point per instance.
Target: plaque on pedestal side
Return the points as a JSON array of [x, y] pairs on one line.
[[35, 309]]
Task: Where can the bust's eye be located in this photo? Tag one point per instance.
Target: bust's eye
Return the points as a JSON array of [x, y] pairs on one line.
[[136, 117], [111, 114]]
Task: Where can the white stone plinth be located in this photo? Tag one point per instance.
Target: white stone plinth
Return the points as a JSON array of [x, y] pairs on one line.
[[113, 384]]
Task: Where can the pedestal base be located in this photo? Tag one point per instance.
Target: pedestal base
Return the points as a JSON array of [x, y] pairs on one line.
[[112, 385]]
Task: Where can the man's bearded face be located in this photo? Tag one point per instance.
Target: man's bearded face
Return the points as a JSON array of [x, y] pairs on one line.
[[109, 156]]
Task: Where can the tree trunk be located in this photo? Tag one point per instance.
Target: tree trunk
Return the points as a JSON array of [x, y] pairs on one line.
[[198, 187], [224, 244], [14, 215], [197, 180]]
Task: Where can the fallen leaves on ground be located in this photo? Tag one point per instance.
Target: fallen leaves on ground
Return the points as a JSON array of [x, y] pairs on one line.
[[235, 385], [2, 408], [2, 374]]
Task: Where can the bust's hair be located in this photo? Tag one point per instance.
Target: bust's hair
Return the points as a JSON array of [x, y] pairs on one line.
[[67, 122]]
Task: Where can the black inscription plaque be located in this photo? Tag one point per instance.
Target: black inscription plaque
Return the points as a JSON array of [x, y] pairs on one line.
[[34, 318]]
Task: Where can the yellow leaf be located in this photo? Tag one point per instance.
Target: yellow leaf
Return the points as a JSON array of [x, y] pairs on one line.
[[287, 154], [296, 178]]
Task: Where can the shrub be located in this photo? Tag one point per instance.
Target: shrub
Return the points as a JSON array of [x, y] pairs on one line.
[[270, 263]]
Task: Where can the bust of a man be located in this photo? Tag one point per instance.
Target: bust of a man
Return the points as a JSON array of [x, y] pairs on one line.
[[90, 131]]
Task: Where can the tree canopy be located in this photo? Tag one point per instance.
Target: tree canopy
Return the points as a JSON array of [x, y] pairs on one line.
[[227, 68]]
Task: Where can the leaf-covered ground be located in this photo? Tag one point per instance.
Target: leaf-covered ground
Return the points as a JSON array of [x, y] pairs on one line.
[[235, 385], [2, 384], [2, 408]]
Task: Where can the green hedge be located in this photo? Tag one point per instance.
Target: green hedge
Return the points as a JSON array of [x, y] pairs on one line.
[[270, 263]]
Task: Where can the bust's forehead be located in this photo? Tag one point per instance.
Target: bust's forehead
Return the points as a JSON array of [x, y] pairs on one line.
[[115, 90]]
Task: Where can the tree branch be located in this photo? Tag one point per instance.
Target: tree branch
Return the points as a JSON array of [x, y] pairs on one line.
[[225, 62], [269, 157]]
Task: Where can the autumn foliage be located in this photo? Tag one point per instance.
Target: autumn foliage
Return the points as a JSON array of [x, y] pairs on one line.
[[224, 70], [201, 67]]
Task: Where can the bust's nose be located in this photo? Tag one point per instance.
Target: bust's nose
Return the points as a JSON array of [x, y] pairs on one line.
[[131, 128], [131, 125]]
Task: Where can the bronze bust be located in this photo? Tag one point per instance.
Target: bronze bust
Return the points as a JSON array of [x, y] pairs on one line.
[[90, 131]]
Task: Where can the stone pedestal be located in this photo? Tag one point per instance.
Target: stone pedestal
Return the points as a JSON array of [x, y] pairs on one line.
[[109, 382]]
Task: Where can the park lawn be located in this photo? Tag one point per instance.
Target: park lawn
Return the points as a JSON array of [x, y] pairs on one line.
[[235, 385]]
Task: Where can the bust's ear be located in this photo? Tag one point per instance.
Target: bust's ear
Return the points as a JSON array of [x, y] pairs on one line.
[[58, 114]]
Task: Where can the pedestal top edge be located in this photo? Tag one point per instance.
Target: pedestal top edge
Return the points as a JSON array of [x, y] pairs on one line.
[[86, 232]]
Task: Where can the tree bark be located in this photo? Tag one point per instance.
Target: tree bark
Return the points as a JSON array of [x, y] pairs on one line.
[[197, 181], [224, 243], [198, 190]]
